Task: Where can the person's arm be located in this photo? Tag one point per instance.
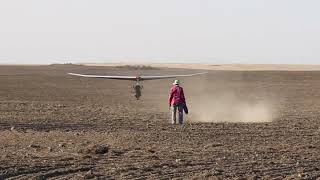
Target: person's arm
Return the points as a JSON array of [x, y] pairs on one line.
[[170, 97], [182, 96]]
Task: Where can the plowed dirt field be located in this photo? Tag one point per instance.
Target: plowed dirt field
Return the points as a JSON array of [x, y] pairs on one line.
[[57, 126]]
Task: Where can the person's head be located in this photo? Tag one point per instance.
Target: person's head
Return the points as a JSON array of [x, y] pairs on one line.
[[176, 82]]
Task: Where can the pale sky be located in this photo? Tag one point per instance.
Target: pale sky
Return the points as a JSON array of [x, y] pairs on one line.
[[211, 31]]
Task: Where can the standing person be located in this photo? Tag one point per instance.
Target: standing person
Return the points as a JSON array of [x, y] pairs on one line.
[[177, 101]]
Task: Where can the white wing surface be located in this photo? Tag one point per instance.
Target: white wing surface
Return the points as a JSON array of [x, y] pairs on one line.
[[107, 77], [141, 78], [169, 76]]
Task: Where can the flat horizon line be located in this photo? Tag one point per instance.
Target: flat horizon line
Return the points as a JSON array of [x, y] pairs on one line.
[[141, 63]]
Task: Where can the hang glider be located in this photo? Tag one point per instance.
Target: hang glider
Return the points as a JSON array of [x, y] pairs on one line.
[[135, 78]]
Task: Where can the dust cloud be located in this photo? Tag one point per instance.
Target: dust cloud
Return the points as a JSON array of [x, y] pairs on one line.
[[228, 108], [229, 102]]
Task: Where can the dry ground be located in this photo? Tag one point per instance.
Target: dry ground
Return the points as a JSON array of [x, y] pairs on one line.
[[68, 127]]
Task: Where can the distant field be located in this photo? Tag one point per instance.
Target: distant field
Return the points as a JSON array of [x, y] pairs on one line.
[[225, 67]]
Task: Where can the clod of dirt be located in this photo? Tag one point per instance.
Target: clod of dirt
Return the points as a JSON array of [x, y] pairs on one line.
[[154, 157], [117, 152], [62, 145], [151, 151], [89, 175], [34, 146], [101, 149], [302, 175]]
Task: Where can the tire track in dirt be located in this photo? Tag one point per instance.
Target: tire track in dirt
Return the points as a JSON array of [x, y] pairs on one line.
[[61, 172], [28, 170], [49, 127], [50, 169]]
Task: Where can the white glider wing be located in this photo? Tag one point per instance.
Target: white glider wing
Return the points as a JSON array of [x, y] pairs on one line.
[[141, 78], [107, 77], [169, 76]]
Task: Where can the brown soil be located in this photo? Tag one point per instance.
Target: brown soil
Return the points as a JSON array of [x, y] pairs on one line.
[[53, 125]]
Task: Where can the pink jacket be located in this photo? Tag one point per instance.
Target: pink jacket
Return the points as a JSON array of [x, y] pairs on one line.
[[176, 96]]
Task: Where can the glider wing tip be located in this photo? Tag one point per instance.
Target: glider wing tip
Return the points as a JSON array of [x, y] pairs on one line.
[[74, 74]]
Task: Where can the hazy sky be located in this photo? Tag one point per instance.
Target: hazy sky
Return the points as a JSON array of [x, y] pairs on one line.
[[214, 31]]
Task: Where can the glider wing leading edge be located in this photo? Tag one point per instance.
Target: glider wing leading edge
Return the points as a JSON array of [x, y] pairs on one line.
[[169, 76], [141, 78], [107, 77]]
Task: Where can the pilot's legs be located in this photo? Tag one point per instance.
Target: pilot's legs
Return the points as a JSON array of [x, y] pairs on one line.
[[137, 96]]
